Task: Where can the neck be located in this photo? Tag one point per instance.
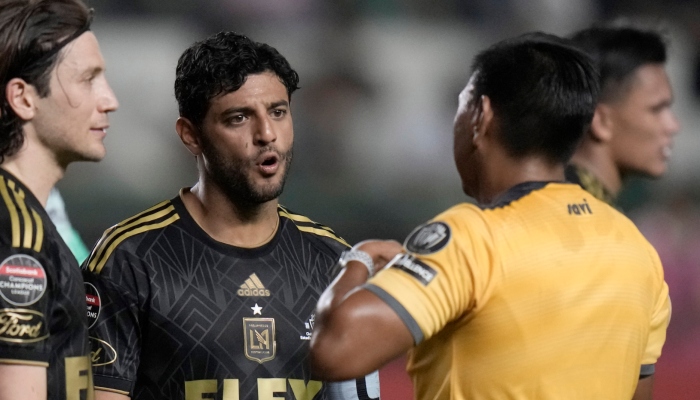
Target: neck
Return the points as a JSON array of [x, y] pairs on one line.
[[227, 222], [595, 158], [36, 168], [506, 172]]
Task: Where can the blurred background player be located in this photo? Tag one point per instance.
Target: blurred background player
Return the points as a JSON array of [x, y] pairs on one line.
[[53, 111], [542, 291], [56, 209], [633, 125], [212, 293]]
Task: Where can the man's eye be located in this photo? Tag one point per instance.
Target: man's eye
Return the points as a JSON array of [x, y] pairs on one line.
[[279, 113], [236, 119]]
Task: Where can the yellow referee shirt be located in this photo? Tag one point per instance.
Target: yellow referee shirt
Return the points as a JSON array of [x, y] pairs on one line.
[[547, 294]]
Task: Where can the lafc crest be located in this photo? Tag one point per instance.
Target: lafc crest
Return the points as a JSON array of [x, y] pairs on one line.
[[259, 339]]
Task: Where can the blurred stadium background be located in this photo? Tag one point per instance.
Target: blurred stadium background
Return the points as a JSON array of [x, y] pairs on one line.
[[379, 83]]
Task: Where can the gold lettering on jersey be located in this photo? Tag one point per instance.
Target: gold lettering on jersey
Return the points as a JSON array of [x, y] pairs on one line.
[[259, 339], [21, 326], [230, 389], [578, 209], [305, 391], [268, 386], [79, 378], [195, 390]]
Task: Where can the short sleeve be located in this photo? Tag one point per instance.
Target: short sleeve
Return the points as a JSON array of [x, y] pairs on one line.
[[660, 318], [113, 318], [442, 275], [26, 286]]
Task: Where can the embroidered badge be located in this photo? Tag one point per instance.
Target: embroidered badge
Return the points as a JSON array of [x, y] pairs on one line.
[[259, 339], [22, 280], [428, 238], [92, 298]]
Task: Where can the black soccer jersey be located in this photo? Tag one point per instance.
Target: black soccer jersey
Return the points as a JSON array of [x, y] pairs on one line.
[[179, 315], [42, 312]]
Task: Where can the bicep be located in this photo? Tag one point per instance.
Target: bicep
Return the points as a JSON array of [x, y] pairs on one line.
[[25, 382], [363, 321]]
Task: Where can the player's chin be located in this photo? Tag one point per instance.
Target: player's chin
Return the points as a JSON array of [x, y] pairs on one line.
[[95, 153], [656, 171]]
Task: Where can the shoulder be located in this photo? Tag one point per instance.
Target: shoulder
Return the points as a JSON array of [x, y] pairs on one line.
[[118, 236], [465, 218], [312, 231], [23, 225]]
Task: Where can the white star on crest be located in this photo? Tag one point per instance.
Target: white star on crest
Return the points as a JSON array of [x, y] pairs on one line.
[[257, 309]]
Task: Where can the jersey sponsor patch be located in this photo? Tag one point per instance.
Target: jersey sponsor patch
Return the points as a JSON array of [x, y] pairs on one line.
[[259, 339], [22, 280], [417, 269], [18, 325], [92, 298], [101, 352], [428, 238], [309, 325]]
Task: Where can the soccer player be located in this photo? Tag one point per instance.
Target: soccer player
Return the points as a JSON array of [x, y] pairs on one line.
[[541, 291], [211, 294], [633, 125], [53, 111]]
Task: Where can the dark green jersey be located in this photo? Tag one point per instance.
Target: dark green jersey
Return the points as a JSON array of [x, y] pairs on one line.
[[179, 315]]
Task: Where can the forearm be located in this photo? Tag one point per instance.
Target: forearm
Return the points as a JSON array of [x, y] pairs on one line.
[[353, 276], [348, 316]]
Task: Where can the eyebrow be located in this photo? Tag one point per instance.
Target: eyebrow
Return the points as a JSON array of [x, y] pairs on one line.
[[245, 109]]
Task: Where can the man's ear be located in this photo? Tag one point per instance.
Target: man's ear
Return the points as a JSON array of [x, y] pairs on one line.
[[484, 118], [189, 135], [21, 97], [602, 124]]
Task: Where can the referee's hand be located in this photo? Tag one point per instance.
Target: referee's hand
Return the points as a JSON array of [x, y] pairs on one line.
[[382, 251]]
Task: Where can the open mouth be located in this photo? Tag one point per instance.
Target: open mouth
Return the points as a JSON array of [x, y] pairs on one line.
[[667, 151], [269, 163]]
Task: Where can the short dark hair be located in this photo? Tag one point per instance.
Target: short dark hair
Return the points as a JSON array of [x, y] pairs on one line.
[[220, 64], [32, 33], [618, 50], [543, 92]]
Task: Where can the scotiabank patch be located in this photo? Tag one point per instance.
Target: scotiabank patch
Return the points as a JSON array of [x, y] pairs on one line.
[[22, 280], [417, 269], [92, 298]]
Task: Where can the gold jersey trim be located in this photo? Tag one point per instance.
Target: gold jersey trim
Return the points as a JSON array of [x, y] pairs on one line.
[[305, 224], [106, 389], [12, 361], [158, 216], [27, 227]]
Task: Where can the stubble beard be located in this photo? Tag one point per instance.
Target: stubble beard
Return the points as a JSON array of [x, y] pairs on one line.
[[231, 177]]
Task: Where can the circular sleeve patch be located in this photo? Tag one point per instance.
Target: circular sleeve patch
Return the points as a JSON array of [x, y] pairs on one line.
[[428, 238], [92, 298], [22, 280]]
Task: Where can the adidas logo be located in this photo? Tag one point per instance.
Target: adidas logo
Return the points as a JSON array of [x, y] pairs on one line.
[[253, 287]]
